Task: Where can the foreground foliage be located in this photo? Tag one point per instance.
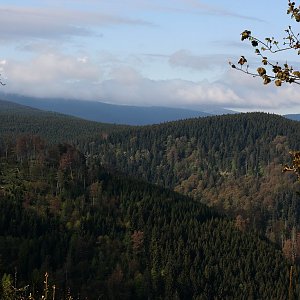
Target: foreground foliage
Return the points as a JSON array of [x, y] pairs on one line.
[[271, 71]]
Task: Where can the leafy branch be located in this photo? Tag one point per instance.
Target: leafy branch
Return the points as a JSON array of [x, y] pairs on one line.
[[269, 71]]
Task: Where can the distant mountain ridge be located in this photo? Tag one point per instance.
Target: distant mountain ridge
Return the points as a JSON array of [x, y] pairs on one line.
[[295, 117], [108, 113]]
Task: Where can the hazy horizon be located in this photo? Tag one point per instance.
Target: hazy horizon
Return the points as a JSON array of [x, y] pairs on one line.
[[142, 53]]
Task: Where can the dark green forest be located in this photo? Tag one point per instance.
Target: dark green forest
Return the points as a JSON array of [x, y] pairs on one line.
[[195, 209], [18, 119], [99, 234], [233, 163]]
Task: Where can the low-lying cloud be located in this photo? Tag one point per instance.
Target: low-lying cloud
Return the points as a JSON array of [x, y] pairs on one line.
[[79, 77]]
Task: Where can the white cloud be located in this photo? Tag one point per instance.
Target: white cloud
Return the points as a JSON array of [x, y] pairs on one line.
[[49, 74], [58, 75], [255, 95], [129, 87], [55, 74], [2, 64], [83, 59], [50, 67]]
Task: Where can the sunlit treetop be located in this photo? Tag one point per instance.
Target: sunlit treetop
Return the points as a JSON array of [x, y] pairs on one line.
[[295, 166], [270, 71]]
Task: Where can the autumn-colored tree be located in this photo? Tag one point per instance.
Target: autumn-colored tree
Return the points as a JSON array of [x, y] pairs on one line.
[[295, 167], [270, 71], [115, 282], [22, 147], [96, 191], [288, 249], [137, 240], [240, 223]]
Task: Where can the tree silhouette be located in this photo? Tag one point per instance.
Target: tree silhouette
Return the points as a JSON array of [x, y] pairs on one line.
[[278, 73]]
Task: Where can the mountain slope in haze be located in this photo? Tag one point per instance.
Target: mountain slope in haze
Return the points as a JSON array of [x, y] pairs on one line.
[[102, 235], [295, 117], [107, 113], [12, 107], [16, 119], [213, 110]]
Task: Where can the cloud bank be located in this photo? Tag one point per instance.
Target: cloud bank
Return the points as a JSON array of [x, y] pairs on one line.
[[59, 75]]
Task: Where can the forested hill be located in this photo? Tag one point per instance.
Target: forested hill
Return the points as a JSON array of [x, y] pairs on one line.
[[16, 119], [240, 144], [101, 235], [232, 162], [9, 107]]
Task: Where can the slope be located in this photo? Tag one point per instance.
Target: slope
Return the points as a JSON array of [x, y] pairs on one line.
[[231, 162], [102, 235], [16, 119]]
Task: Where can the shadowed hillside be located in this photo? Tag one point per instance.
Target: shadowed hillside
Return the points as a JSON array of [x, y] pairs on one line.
[[99, 234]]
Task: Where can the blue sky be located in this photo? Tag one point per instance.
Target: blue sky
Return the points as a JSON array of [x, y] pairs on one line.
[[142, 52]]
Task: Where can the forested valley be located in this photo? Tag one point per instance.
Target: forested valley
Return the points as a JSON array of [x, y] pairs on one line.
[[81, 209]]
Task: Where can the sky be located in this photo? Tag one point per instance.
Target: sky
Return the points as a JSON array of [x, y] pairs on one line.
[[143, 52]]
